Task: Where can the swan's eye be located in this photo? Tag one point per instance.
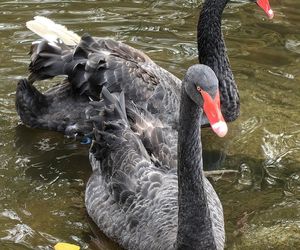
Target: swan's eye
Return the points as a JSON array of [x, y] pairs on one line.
[[199, 89]]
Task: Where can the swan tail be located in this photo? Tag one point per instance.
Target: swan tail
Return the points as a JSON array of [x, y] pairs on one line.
[[52, 32], [29, 103]]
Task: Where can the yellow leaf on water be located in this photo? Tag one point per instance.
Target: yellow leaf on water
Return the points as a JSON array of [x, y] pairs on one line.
[[66, 246]]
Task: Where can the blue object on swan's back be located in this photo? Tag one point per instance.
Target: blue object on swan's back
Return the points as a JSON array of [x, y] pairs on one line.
[[86, 140]]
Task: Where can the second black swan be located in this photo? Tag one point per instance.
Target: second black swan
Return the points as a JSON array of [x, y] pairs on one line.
[[91, 63]]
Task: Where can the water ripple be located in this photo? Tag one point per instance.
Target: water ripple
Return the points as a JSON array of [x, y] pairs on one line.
[[293, 45], [19, 234]]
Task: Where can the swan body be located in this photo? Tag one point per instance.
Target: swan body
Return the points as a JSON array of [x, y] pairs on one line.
[[137, 200], [91, 63]]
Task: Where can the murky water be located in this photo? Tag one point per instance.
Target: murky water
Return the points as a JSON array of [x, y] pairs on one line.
[[43, 175]]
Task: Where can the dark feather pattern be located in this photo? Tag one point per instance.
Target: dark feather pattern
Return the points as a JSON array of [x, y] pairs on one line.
[[92, 64], [159, 140], [127, 181]]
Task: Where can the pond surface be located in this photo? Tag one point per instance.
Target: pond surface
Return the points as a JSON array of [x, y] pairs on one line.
[[43, 174]]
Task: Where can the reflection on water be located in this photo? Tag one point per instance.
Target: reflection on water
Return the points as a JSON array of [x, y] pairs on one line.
[[43, 174]]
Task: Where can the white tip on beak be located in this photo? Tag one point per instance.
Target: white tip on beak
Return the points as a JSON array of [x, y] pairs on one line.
[[270, 13], [220, 128]]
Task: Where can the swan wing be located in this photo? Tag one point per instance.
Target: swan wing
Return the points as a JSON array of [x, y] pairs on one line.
[[159, 139], [95, 63]]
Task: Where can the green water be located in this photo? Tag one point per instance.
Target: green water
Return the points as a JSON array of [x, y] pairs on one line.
[[43, 174]]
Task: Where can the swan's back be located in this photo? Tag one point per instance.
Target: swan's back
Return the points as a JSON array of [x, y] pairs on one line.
[[132, 200]]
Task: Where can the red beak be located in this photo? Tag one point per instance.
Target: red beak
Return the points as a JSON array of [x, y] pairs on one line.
[[213, 113], [265, 5]]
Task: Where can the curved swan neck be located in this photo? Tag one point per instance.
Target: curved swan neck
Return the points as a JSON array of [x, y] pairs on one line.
[[212, 52], [194, 224]]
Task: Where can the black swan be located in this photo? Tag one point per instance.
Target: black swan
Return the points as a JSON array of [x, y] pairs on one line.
[[141, 203], [91, 63]]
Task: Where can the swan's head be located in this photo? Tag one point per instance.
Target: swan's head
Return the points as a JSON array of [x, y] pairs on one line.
[[202, 86], [265, 5]]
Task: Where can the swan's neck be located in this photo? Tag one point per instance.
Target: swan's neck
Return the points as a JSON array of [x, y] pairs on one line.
[[212, 52], [194, 223]]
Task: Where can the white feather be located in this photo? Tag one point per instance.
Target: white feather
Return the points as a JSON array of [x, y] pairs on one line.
[[52, 32]]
